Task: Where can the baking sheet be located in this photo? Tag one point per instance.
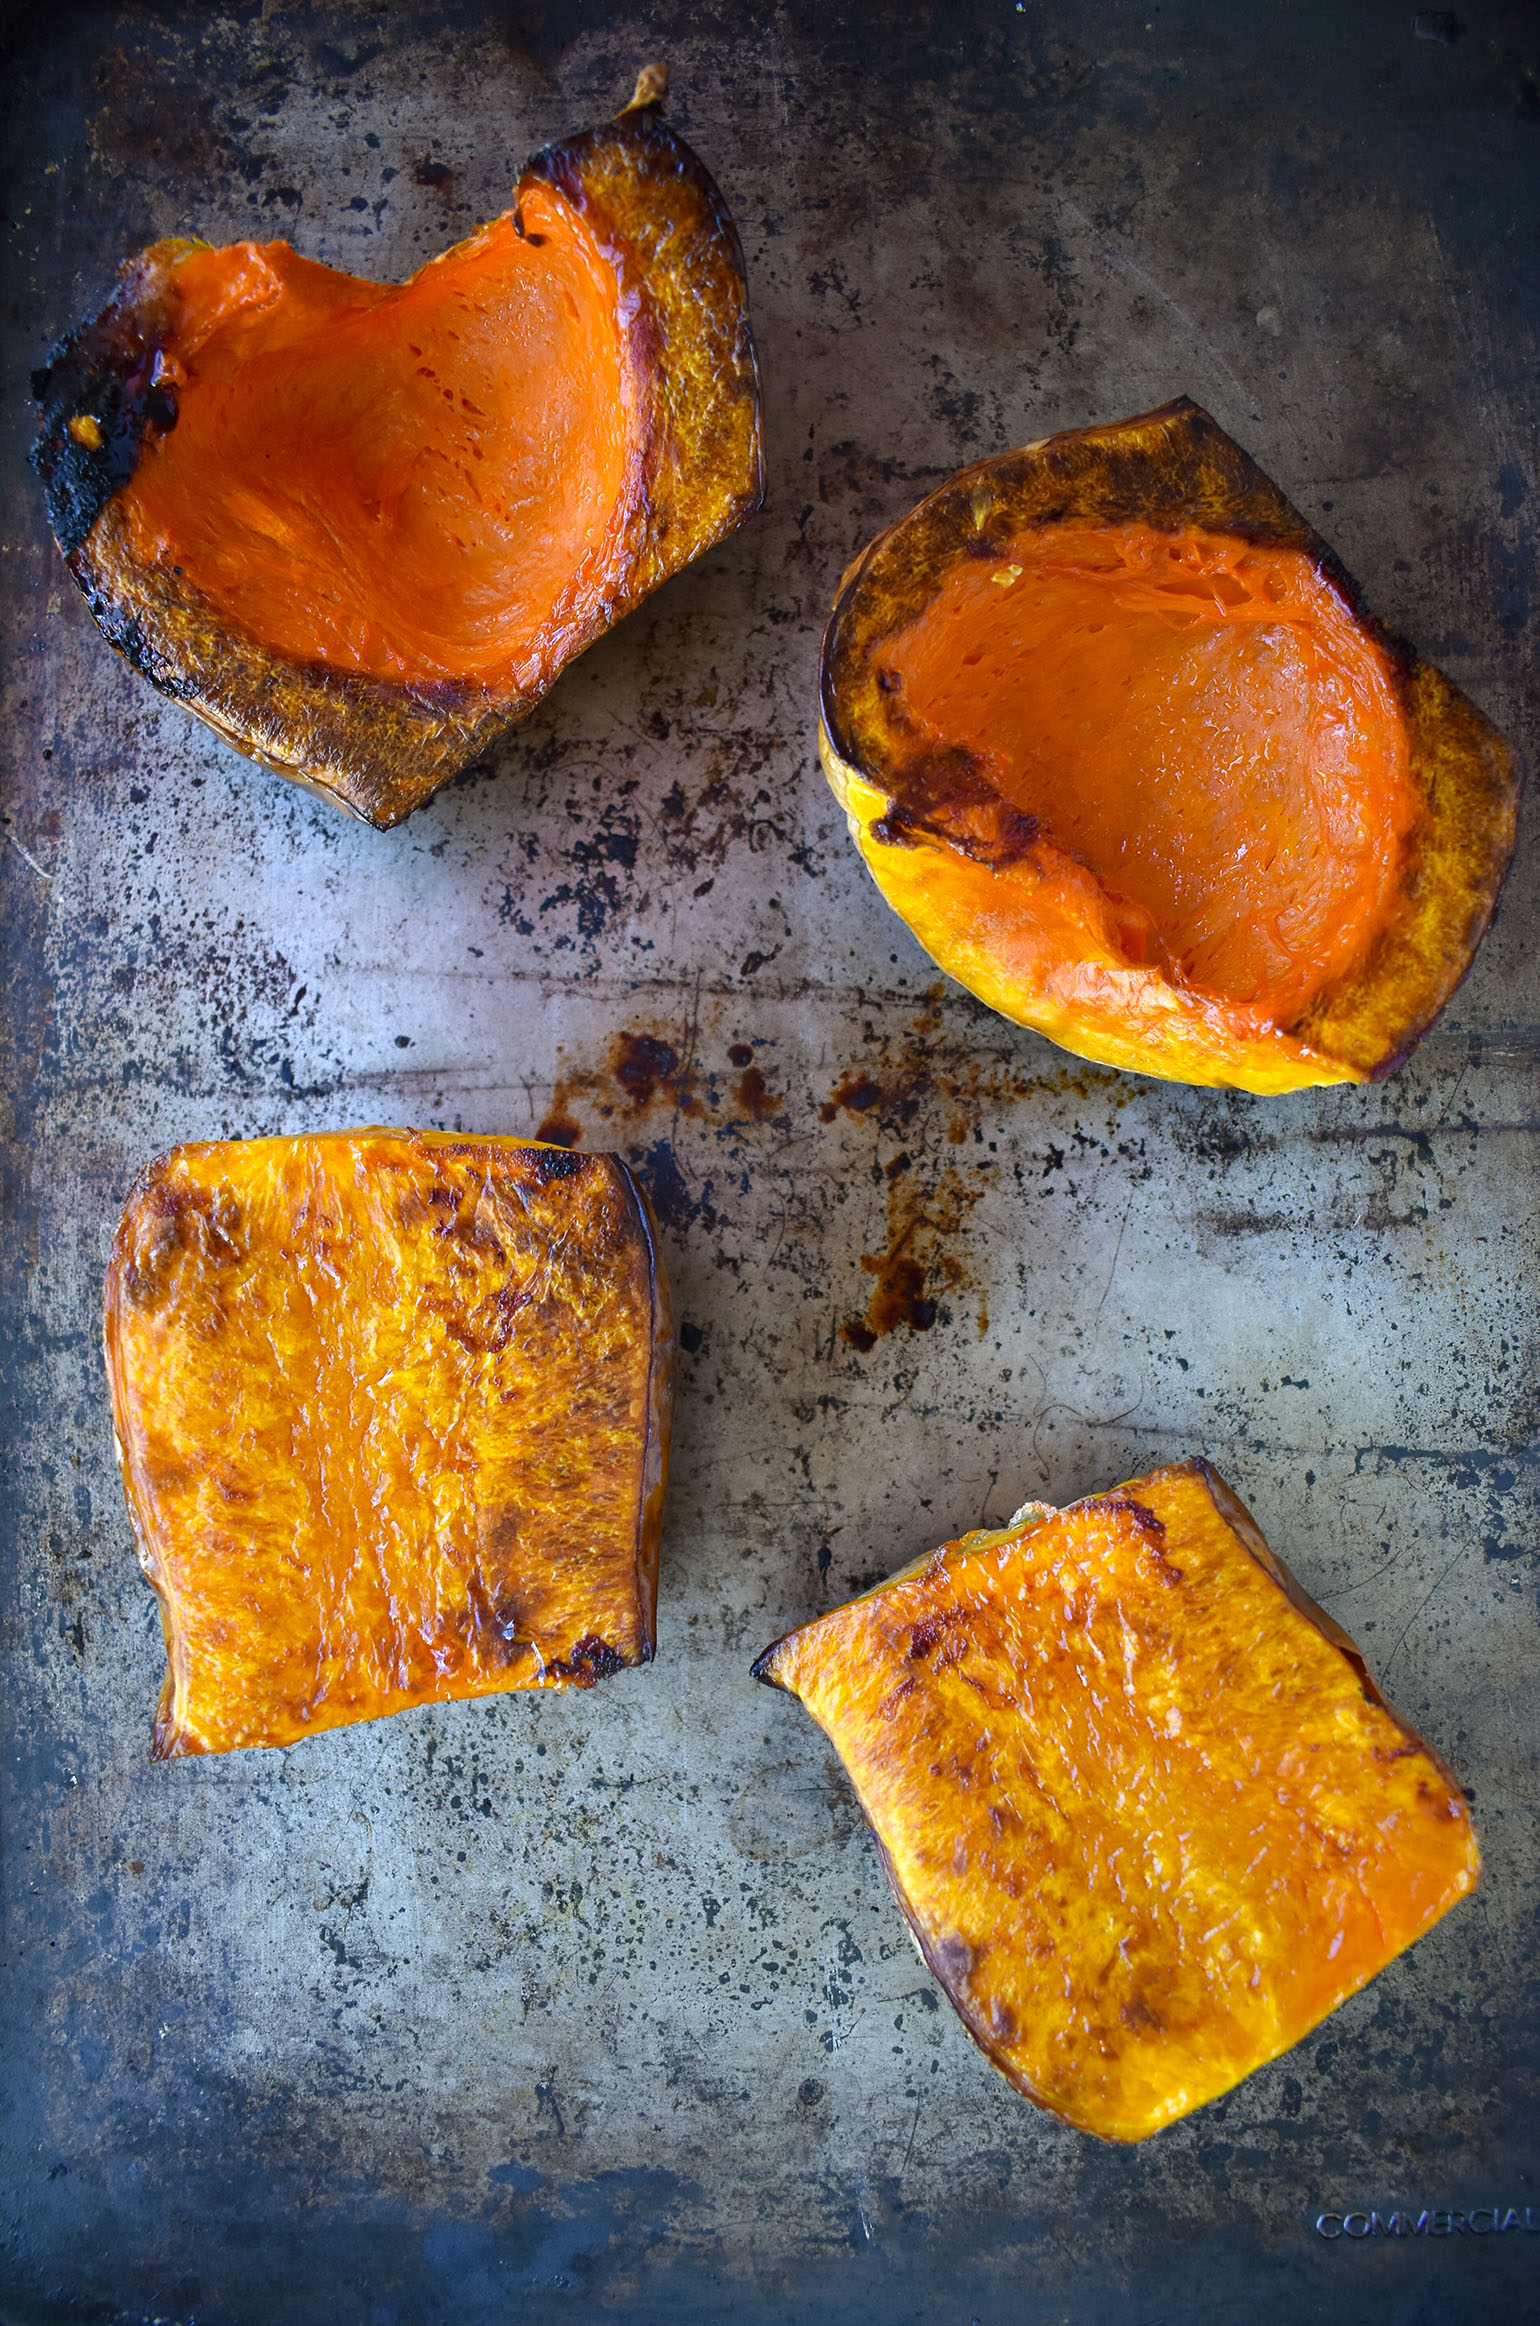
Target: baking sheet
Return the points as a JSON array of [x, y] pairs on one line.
[[599, 2004]]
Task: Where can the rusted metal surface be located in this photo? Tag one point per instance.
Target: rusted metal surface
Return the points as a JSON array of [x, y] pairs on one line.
[[601, 2003]]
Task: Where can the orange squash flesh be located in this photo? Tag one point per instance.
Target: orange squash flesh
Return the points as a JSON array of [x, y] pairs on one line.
[[422, 483], [1199, 722], [360, 528], [392, 1412], [1146, 1813], [1119, 741]]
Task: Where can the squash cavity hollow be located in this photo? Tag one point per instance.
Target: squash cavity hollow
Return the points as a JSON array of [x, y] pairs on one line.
[[426, 483], [1197, 722]]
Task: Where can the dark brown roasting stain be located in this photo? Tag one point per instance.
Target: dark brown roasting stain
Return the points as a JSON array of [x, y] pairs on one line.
[[643, 1071], [644, 1064], [754, 1097], [560, 1129], [920, 1264], [921, 1066]]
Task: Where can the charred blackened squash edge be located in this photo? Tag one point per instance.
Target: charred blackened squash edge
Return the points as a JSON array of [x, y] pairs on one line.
[[653, 1459], [1173, 467], [660, 1415], [376, 747], [1246, 1531]]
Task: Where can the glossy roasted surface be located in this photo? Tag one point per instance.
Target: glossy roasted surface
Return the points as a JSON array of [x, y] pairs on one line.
[[1227, 831], [1146, 1814], [344, 611], [393, 1410]]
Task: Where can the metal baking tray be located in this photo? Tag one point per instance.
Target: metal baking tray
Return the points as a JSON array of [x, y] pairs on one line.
[[598, 2006]]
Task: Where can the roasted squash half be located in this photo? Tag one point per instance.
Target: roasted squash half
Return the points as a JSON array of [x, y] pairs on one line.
[[1119, 740], [1148, 1816], [393, 1413], [361, 528]]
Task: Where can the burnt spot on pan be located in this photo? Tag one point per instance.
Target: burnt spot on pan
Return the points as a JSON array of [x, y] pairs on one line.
[[642, 1064], [751, 1091], [645, 1071], [923, 1258], [858, 1094], [699, 825], [928, 1063], [560, 1129]]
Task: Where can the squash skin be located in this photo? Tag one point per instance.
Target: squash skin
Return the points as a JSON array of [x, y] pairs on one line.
[[376, 748], [392, 1411], [1033, 938], [1145, 1812]]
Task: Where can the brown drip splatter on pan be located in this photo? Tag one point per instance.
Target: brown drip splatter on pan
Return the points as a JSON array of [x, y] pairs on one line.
[[905, 1088], [921, 1261]]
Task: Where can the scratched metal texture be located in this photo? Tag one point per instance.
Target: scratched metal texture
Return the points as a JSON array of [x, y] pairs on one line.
[[597, 2005]]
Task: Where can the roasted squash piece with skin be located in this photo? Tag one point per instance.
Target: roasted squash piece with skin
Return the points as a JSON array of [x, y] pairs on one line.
[[1148, 1816], [361, 528], [393, 1413], [1118, 739]]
